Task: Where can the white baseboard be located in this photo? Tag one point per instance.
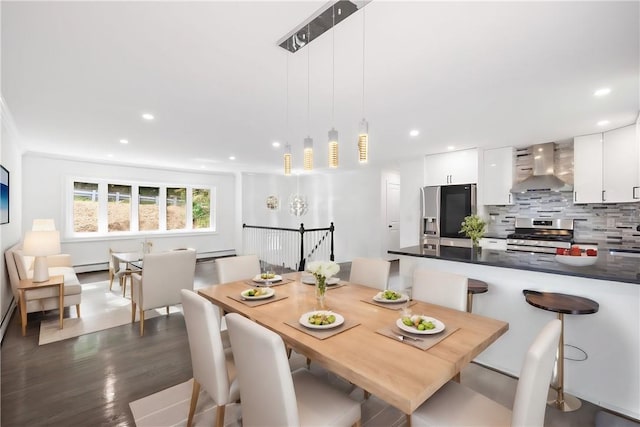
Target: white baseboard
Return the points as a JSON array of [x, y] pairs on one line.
[[7, 318]]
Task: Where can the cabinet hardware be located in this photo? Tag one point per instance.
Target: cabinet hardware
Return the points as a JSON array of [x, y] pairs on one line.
[[603, 198], [634, 193], [575, 196]]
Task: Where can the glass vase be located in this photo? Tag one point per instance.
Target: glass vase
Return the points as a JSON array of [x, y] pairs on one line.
[[321, 289]]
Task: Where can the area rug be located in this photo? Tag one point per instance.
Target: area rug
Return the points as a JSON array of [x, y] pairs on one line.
[[100, 309], [170, 407]]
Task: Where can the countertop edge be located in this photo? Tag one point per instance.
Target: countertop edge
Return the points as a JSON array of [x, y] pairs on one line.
[[573, 273]]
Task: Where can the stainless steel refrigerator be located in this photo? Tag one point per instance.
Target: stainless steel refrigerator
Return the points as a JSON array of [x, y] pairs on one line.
[[443, 210]]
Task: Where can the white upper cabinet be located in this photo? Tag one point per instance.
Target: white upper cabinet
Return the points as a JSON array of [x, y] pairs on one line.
[[607, 167], [587, 169], [620, 167], [498, 169], [456, 167]]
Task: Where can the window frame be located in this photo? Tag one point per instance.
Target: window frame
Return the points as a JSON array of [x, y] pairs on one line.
[[103, 226]]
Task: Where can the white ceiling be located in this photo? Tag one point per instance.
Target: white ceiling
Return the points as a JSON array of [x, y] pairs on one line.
[[76, 77]]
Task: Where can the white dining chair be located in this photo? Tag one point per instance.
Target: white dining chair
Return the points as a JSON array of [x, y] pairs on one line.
[[371, 272], [118, 271], [159, 283], [209, 359], [272, 395], [457, 405], [440, 287], [231, 269]]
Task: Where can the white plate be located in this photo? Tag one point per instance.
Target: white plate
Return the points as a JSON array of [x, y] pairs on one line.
[[304, 320], [576, 261], [439, 326], [379, 298], [310, 280], [268, 293], [259, 279]]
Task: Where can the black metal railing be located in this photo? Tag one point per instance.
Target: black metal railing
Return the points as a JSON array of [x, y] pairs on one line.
[[288, 247]]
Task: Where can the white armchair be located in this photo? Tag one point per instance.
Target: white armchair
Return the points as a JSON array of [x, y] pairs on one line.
[[163, 276]]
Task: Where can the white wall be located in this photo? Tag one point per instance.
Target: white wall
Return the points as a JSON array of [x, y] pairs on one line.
[[45, 180], [9, 233], [349, 199], [412, 178]]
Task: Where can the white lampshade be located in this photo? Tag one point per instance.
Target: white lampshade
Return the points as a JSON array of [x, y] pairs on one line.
[[41, 244], [43, 225]]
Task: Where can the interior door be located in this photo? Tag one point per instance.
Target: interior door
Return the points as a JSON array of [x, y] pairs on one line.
[[393, 215]]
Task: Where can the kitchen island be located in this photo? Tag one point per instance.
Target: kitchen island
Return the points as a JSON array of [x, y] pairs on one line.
[[602, 349]]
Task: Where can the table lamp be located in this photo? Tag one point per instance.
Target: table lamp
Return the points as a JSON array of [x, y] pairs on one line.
[[41, 244], [46, 224]]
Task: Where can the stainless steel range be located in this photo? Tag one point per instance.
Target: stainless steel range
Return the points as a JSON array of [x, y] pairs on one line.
[[541, 235]]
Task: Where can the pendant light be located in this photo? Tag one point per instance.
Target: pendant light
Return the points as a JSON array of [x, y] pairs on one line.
[[363, 132], [333, 134], [287, 160], [308, 142]]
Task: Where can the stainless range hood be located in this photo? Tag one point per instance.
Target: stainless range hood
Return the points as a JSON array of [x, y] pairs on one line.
[[543, 178]]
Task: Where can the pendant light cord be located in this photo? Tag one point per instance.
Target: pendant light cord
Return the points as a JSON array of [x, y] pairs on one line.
[[363, 41], [308, 80], [333, 66]]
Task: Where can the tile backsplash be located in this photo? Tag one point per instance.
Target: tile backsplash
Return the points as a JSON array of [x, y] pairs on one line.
[[611, 224]]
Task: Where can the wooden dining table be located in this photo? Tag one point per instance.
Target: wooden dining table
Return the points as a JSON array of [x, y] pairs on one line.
[[398, 373]]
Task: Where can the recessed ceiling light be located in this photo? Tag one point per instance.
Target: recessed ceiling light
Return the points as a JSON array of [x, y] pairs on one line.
[[276, 144], [451, 147], [603, 122], [147, 116], [232, 157], [109, 155], [414, 132], [602, 91], [124, 141]]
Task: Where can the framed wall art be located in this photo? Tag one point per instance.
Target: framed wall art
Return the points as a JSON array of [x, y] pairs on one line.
[[4, 195]]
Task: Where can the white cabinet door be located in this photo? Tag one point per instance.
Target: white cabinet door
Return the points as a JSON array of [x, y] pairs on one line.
[[498, 172], [456, 167], [587, 169], [620, 154]]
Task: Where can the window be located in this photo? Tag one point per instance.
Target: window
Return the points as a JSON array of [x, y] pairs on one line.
[[101, 208], [148, 208], [119, 207], [176, 208], [201, 208], [85, 207]]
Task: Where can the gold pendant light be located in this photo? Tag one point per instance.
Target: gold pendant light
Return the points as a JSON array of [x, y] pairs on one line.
[[287, 160], [308, 142], [333, 134]]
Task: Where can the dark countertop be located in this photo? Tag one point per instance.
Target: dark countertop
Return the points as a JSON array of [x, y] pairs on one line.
[[608, 266]]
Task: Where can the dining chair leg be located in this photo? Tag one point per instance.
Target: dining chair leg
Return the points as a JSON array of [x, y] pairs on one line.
[[220, 416], [110, 279], [408, 420], [308, 363], [141, 321], [194, 401], [78, 310], [366, 394], [289, 352], [133, 311], [123, 284], [357, 423], [456, 378], [167, 310]]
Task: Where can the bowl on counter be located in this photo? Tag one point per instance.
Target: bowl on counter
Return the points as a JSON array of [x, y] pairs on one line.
[[577, 261]]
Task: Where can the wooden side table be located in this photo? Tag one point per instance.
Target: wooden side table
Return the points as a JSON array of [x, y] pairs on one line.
[[475, 286], [28, 285], [561, 304]]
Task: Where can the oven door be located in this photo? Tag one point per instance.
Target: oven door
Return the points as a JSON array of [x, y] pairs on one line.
[[456, 202]]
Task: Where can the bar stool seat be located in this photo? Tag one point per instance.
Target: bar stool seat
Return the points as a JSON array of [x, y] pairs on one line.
[[475, 286], [561, 304]]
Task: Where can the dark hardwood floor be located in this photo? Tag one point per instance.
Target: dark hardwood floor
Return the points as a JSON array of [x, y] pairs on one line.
[[90, 380]]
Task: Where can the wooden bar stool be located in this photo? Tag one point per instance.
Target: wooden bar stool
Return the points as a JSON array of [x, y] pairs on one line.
[[561, 304], [475, 286]]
